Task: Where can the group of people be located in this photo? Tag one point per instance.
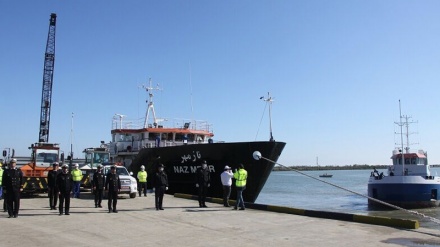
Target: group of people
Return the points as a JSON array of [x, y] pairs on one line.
[[62, 185], [203, 182], [65, 186], [112, 183]]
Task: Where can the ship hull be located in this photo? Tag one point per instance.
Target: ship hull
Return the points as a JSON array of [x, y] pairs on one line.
[[405, 191], [182, 161]]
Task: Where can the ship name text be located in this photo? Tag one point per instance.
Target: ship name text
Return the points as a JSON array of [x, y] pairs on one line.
[[190, 169], [191, 157]]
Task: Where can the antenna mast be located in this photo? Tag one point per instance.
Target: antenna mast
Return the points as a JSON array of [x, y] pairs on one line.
[[404, 122], [71, 141], [150, 89], [269, 100], [190, 85]]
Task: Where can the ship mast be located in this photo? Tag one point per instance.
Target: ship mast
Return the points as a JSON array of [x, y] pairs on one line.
[[405, 123], [269, 100], [150, 89], [401, 137]]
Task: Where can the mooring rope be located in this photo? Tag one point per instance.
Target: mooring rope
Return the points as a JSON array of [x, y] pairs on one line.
[[359, 194]]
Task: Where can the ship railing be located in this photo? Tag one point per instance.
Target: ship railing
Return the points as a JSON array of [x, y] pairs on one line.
[[416, 151], [166, 123], [136, 146]]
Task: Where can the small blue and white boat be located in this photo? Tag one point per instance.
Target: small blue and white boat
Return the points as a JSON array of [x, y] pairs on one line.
[[409, 183]]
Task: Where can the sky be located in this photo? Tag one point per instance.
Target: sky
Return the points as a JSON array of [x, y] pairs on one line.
[[335, 69]]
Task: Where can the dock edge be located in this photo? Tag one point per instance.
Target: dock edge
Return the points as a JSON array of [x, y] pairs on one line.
[[373, 220]]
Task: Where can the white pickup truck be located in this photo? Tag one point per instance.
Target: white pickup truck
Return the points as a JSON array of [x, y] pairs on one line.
[[128, 183]]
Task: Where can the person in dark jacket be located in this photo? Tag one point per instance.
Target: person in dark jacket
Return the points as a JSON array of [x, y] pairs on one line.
[[160, 184], [113, 186], [5, 204], [65, 185], [98, 185], [12, 180], [203, 182], [52, 186]]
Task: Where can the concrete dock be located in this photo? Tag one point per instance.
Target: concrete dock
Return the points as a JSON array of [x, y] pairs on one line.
[[183, 223]]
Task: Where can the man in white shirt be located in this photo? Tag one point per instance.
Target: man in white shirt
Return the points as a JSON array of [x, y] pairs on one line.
[[226, 178]]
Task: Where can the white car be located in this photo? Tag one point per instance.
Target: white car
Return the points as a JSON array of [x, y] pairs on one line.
[[128, 183]]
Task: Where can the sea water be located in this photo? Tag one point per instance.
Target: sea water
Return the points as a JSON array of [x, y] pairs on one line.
[[292, 189]]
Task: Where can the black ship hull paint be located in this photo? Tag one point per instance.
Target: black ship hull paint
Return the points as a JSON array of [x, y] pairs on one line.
[[182, 161]]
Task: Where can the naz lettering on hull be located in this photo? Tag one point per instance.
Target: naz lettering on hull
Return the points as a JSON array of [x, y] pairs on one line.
[[190, 169]]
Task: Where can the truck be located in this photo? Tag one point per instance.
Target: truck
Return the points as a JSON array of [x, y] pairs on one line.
[[93, 158], [35, 173], [128, 182]]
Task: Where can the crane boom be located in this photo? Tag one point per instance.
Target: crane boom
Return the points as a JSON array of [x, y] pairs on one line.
[[46, 97], [44, 154]]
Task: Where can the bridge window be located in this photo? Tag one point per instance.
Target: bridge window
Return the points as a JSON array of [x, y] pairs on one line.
[[152, 137], [179, 137], [191, 137]]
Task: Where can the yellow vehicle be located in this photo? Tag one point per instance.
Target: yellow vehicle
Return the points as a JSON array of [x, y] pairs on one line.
[[93, 158]]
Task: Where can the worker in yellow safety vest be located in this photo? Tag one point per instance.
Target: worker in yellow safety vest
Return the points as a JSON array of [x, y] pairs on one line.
[[240, 176], [77, 177], [142, 181]]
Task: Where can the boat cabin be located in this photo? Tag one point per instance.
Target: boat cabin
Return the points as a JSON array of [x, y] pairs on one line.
[[132, 140], [414, 163]]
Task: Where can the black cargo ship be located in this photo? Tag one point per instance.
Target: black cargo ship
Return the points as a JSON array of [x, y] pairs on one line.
[[181, 162], [181, 146]]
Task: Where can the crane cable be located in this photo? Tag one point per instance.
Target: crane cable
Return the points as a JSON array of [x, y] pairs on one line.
[[354, 192]]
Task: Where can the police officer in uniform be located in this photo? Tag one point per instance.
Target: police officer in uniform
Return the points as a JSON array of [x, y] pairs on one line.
[[12, 182], [160, 184], [65, 185], [52, 186], [203, 182], [5, 205], [98, 185], [113, 186]]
